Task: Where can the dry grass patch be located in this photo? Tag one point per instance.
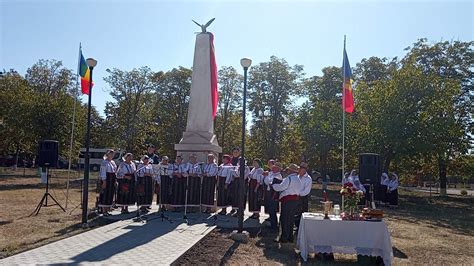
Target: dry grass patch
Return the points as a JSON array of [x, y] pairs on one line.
[[19, 196]]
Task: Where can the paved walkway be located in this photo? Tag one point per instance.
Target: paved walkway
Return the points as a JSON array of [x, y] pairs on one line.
[[154, 242]]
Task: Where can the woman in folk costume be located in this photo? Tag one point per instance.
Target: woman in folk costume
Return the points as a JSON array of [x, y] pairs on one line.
[[209, 181], [224, 178], [180, 173], [270, 195], [163, 182], [194, 171], [108, 179], [234, 189], [144, 183], [126, 183], [255, 188], [381, 189], [289, 189], [392, 190]]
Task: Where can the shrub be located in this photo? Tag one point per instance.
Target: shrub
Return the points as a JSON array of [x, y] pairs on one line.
[[464, 192]]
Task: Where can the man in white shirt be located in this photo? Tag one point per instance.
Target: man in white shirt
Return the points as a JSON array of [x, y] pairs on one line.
[[305, 193], [290, 189]]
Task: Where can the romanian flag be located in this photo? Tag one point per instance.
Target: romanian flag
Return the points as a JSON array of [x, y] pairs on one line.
[[347, 97], [85, 74]]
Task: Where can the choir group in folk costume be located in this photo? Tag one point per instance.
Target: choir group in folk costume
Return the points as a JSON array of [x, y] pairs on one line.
[[209, 187]]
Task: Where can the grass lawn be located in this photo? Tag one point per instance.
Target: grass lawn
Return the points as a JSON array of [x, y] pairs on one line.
[[19, 196], [424, 230]]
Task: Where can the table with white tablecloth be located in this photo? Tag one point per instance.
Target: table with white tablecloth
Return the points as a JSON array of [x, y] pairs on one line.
[[317, 235]]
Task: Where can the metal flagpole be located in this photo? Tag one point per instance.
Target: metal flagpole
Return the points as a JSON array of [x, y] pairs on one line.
[[72, 127], [343, 117]]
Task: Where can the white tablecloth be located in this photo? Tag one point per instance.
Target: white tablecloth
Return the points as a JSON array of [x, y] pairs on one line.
[[349, 237]]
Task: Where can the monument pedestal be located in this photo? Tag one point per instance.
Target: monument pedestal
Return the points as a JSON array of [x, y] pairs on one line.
[[199, 143]]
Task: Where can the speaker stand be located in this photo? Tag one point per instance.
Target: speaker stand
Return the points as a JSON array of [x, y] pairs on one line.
[[44, 199]]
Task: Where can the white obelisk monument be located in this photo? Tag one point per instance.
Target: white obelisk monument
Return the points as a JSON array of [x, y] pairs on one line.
[[199, 137]]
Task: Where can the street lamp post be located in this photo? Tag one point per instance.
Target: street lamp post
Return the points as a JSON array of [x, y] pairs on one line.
[[245, 62], [85, 192]]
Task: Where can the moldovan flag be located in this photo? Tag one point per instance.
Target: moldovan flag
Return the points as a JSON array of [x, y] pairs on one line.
[[85, 74], [214, 92], [347, 97]]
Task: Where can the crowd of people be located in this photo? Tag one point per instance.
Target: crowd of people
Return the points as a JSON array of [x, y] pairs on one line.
[[384, 193], [208, 187]]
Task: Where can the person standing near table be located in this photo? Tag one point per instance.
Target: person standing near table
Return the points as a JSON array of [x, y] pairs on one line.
[[270, 195], [392, 190], [144, 183], [381, 189], [126, 183], [209, 183], [290, 189], [305, 194], [194, 170], [107, 176], [255, 181]]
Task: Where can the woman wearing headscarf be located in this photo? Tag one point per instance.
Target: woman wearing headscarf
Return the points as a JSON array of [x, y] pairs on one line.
[[144, 183], [126, 183], [381, 189], [255, 181], [108, 179], [392, 190]]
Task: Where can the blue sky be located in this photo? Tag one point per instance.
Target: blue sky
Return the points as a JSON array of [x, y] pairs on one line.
[[160, 34]]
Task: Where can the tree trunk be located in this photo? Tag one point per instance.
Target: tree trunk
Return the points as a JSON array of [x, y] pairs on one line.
[[387, 160], [442, 165], [17, 153]]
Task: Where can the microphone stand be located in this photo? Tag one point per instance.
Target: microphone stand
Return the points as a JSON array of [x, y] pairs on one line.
[[185, 217]]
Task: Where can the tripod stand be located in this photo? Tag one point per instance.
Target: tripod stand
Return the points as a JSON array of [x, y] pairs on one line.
[[44, 199], [371, 202]]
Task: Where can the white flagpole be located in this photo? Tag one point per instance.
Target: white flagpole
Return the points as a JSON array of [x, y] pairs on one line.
[[343, 117], [72, 126]]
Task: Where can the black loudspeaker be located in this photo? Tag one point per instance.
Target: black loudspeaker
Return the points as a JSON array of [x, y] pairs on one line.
[[48, 153], [369, 168]]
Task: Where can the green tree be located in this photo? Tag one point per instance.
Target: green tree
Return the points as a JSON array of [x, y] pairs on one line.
[[130, 112], [272, 88], [230, 101], [446, 118]]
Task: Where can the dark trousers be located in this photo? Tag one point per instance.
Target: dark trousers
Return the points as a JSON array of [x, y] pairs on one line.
[[287, 218], [272, 208], [303, 205]]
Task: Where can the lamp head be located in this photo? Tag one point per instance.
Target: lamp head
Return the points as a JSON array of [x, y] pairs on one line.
[[91, 62], [245, 62]]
